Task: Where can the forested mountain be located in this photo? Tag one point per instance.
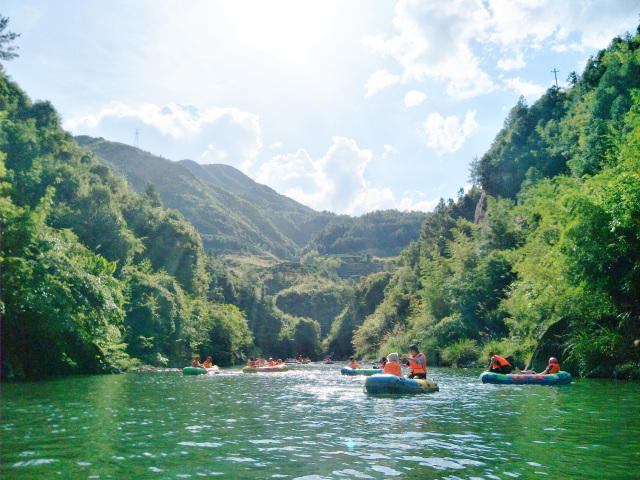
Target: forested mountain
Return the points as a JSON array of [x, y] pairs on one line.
[[228, 223], [95, 277], [236, 215], [548, 261], [382, 233], [99, 278], [296, 221]]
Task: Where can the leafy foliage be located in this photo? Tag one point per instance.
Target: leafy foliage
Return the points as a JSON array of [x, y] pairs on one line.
[[553, 240], [96, 277]]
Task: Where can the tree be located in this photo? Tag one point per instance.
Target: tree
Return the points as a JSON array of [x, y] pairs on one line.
[[7, 51]]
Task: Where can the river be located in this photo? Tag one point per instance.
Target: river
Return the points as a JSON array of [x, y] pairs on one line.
[[312, 423]]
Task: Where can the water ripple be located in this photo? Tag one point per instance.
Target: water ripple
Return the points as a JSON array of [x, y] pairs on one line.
[[313, 423]]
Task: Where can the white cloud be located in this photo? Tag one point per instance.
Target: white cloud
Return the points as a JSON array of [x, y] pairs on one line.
[[531, 91], [380, 80], [434, 42], [512, 63], [209, 135], [416, 201], [446, 135], [335, 182], [439, 40], [413, 98]]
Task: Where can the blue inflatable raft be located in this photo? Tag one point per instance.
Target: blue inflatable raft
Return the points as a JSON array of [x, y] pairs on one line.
[[385, 384], [360, 371], [560, 378]]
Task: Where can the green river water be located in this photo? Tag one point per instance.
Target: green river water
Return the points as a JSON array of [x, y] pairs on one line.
[[312, 423]]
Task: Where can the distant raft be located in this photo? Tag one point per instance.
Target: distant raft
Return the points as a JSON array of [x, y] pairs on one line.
[[200, 370], [385, 384], [360, 371], [274, 368], [560, 378]]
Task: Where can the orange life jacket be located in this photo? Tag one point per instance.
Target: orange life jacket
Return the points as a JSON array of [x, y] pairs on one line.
[[552, 368], [416, 367], [393, 368], [354, 365], [500, 361], [196, 363]]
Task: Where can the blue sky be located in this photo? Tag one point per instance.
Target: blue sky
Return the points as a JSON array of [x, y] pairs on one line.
[[346, 106]]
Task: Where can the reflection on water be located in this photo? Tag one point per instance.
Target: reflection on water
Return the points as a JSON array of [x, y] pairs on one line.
[[313, 423]]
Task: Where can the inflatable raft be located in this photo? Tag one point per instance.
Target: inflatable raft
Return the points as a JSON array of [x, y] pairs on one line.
[[385, 384], [360, 371], [560, 378], [275, 368], [199, 370]]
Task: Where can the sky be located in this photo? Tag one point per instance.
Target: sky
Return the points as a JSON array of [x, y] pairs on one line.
[[345, 106]]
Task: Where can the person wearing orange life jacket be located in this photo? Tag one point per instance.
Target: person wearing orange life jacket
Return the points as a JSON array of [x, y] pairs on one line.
[[417, 363], [353, 363], [208, 363], [251, 363], [383, 363], [553, 367], [392, 366], [498, 364], [196, 363], [271, 363]]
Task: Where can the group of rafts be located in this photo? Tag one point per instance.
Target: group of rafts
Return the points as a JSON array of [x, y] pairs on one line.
[[380, 381]]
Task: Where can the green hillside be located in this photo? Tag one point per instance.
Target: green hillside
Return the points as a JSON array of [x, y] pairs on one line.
[[96, 278], [236, 215], [294, 220], [542, 257], [227, 222]]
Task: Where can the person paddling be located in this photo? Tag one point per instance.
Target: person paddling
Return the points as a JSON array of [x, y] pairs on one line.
[[498, 364], [196, 363], [392, 366], [417, 363]]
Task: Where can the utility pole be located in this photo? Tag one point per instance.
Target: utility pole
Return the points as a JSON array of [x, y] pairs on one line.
[[555, 74], [136, 139]]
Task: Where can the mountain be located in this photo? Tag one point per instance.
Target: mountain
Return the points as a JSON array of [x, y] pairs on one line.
[[235, 215], [294, 220], [243, 217]]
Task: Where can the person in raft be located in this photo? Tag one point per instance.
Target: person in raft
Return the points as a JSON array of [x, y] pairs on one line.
[[208, 363], [383, 363], [392, 366], [498, 364], [251, 363], [417, 363], [353, 363], [553, 367], [196, 363]]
